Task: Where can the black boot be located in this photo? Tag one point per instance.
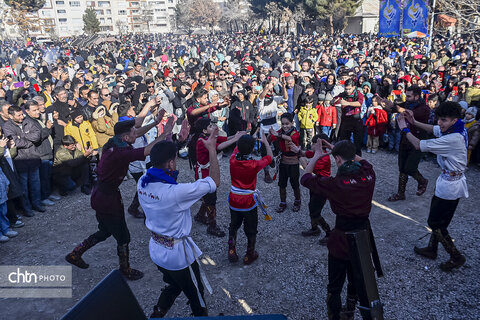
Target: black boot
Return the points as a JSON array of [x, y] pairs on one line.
[[326, 228], [422, 183], [314, 231], [348, 310], [430, 251], [456, 258], [201, 215], [123, 257], [75, 257], [251, 255], [213, 229], [283, 201], [158, 312], [268, 178], [297, 204], [133, 208], [402, 186], [232, 250]]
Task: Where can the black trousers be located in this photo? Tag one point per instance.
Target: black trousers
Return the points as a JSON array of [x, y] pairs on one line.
[[351, 125], [289, 171], [337, 271], [248, 218], [179, 281], [112, 226], [441, 213], [210, 199], [315, 205], [408, 160]]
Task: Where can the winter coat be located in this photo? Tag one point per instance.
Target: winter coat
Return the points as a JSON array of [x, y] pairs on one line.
[[82, 133], [327, 116], [307, 117], [15, 189], [65, 161], [25, 138], [45, 144], [377, 121], [473, 134], [103, 128]]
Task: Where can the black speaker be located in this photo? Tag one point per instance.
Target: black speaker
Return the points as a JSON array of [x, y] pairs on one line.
[[112, 298]]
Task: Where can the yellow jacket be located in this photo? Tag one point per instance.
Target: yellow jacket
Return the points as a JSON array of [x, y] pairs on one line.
[[473, 94], [82, 133], [307, 117]]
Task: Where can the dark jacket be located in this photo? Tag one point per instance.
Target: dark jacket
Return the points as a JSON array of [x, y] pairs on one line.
[[25, 138], [15, 189], [44, 148]]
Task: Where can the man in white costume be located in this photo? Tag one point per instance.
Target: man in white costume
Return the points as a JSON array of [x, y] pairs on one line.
[[450, 146], [166, 204]]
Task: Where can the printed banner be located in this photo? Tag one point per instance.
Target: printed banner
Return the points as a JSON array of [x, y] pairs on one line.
[[389, 18], [415, 16]]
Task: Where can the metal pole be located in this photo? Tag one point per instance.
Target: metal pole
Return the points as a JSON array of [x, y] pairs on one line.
[[430, 36]]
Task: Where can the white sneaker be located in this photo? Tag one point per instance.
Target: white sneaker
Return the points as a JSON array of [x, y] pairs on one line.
[[54, 197], [11, 234], [47, 202], [17, 224], [374, 151], [4, 238], [369, 150]]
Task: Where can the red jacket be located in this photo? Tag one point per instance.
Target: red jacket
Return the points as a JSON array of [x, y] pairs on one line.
[[327, 116], [322, 167], [377, 123]]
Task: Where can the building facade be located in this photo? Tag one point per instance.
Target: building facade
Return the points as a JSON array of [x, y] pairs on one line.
[[65, 17]]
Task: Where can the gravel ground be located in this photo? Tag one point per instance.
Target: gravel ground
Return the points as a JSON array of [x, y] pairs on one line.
[[290, 277]]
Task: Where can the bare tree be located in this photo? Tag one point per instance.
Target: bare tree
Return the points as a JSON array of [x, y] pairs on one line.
[[467, 13]]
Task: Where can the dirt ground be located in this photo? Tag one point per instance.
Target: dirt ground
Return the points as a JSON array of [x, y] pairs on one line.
[[290, 277]]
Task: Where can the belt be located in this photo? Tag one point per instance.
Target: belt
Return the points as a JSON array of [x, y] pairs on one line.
[[450, 175], [201, 167], [269, 121], [169, 242], [256, 196]]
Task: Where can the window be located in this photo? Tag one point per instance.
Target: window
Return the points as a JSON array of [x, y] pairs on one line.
[[60, 2], [134, 4], [122, 12], [109, 21], [74, 3], [170, 1], [102, 20], [99, 12], [104, 3], [161, 25], [90, 3], [108, 11], [61, 11], [62, 20], [135, 11]]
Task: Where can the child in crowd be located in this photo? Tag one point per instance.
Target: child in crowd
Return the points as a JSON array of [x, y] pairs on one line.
[[317, 202], [327, 115], [207, 214], [307, 116], [289, 168], [432, 103], [244, 198], [473, 130], [377, 120]]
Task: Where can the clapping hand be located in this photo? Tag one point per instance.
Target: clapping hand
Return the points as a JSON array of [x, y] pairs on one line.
[[159, 116], [184, 131], [293, 147], [401, 121], [408, 114], [3, 142]]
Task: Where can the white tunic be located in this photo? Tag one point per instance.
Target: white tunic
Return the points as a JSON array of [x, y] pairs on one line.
[[452, 156], [167, 211], [268, 112]]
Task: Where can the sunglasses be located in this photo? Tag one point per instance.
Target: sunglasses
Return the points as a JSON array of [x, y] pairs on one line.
[[150, 86], [106, 95]]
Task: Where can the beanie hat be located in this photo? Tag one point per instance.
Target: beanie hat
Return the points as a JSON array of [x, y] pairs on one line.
[[472, 111]]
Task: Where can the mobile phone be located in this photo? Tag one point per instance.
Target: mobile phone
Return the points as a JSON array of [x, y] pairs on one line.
[[36, 87], [455, 90], [19, 84], [88, 144], [50, 117]]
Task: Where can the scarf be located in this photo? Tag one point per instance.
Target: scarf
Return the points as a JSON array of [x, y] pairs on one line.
[[115, 142], [159, 175], [243, 157], [348, 168], [458, 127]]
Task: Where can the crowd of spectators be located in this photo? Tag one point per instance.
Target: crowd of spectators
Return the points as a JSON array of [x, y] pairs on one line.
[[59, 102]]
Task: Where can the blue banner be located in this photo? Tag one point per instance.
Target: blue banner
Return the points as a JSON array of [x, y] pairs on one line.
[[389, 18], [415, 16]]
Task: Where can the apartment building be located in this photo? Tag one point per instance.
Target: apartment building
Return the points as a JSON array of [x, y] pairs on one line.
[[115, 16]]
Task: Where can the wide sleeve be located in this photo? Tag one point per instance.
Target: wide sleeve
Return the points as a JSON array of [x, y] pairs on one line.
[[186, 194], [320, 185], [442, 146]]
